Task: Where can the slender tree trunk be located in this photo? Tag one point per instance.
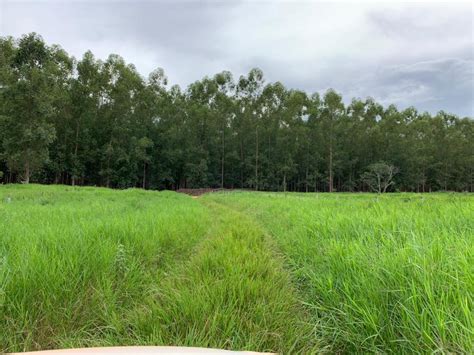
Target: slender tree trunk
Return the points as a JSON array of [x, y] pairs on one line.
[[315, 180], [306, 180], [241, 163], [256, 159], [144, 175], [222, 158], [107, 181], [76, 148], [284, 182], [27, 172], [445, 177], [330, 169], [472, 181]]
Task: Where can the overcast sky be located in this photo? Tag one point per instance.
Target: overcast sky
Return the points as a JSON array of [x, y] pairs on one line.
[[408, 54]]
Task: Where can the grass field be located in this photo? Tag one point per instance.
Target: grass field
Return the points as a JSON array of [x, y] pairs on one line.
[[291, 273]]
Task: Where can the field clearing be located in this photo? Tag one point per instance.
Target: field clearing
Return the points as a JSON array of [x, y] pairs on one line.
[[290, 273]]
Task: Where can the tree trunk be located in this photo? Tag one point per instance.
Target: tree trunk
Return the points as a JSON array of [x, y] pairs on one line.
[[472, 181], [445, 177], [306, 180], [27, 172], [76, 148], [315, 180], [144, 175], [330, 169], [107, 181], [222, 158], [256, 159], [241, 164]]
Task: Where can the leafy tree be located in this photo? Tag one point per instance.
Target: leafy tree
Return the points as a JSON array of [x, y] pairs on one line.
[[30, 94], [249, 91], [332, 112]]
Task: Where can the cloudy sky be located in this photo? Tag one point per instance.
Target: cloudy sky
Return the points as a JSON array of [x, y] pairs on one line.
[[409, 54]]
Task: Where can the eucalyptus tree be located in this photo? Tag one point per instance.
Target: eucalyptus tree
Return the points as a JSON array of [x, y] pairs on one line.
[[272, 101], [224, 105], [291, 135], [420, 146], [151, 103], [315, 135], [452, 151], [7, 79], [203, 149], [171, 135], [359, 140], [117, 106], [249, 90], [211, 108], [464, 154], [86, 95], [32, 86], [332, 112]]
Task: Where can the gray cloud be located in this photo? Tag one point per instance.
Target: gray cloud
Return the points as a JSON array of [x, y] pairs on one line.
[[419, 55], [425, 84]]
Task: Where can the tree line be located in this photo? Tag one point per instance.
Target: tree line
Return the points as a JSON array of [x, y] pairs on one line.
[[94, 122]]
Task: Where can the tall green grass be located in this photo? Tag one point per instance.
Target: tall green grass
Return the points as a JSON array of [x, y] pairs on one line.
[[93, 267], [75, 260], [289, 273], [390, 273], [232, 293]]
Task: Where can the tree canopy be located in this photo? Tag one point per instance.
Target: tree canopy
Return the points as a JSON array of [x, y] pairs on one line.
[[94, 122]]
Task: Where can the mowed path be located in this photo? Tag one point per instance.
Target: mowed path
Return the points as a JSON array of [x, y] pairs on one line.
[[233, 293]]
